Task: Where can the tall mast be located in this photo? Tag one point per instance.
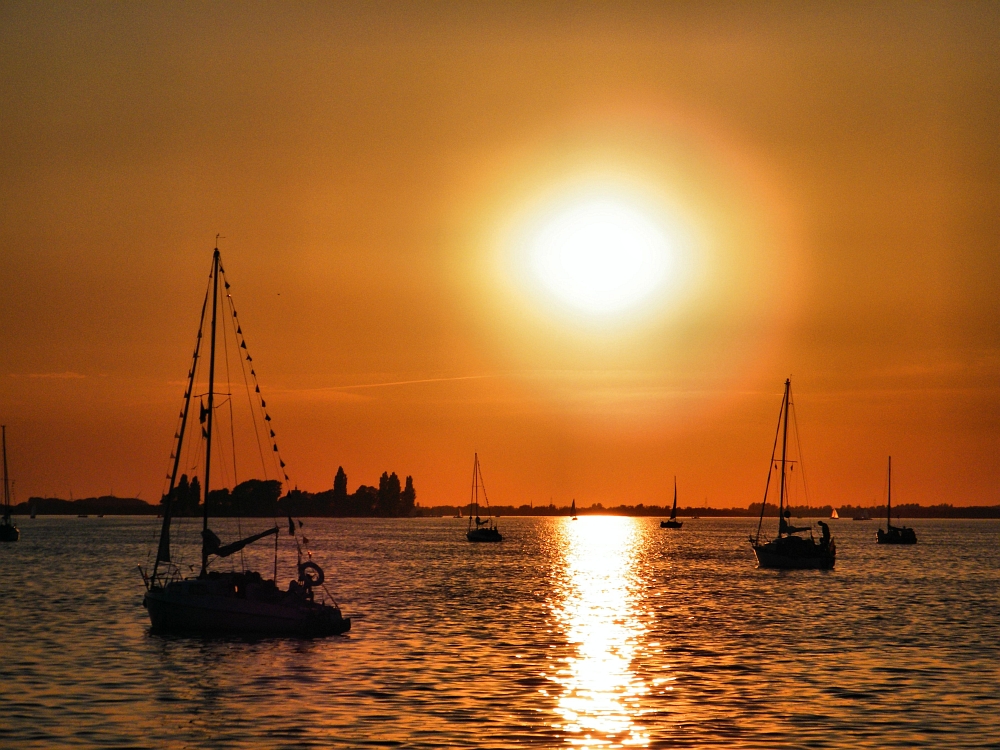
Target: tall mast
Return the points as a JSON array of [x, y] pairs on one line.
[[475, 483], [784, 446], [673, 513], [211, 409], [888, 505], [6, 484], [770, 469]]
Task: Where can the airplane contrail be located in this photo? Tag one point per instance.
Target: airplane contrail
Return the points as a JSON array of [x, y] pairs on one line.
[[401, 382]]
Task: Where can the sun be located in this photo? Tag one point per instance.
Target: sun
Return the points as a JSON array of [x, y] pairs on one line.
[[600, 255]]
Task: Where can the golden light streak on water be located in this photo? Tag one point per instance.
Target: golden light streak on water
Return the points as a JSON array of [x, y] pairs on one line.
[[601, 695]]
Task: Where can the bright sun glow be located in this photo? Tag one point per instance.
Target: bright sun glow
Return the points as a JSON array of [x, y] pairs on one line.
[[601, 255]]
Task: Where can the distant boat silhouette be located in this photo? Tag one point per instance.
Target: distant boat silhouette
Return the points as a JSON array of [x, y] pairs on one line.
[[672, 522], [33, 511], [834, 515], [8, 531], [861, 516], [894, 534], [788, 550], [236, 603], [572, 510], [484, 531]]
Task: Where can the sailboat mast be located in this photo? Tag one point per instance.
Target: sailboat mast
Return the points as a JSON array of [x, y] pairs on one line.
[[6, 485], [475, 487], [211, 409], [784, 447], [888, 505], [673, 512]]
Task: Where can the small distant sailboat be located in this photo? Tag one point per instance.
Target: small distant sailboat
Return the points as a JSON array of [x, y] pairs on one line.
[[239, 602], [34, 511], [483, 531], [672, 522], [894, 534], [834, 515], [8, 531], [572, 510], [789, 551], [861, 515]]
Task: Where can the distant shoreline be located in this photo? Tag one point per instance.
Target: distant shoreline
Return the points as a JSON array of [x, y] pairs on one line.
[[129, 506]]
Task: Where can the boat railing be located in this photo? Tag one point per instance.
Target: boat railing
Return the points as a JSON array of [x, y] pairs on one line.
[[167, 573]]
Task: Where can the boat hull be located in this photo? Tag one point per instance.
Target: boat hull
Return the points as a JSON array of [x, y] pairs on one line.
[[671, 524], [896, 535], [9, 533], [176, 609], [800, 554], [484, 535]]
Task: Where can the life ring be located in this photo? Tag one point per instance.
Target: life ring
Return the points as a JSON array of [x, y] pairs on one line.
[[307, 580]]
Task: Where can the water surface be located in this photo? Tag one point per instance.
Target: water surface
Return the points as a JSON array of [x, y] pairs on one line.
[[601, 632]]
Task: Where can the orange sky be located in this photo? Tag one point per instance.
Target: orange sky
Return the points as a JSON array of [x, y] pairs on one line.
[[833, 172]]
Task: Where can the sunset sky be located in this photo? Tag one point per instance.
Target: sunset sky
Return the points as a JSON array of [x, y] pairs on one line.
[[824, 178]]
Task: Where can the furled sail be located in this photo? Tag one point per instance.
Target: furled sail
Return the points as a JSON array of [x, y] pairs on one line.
[[163, 551]]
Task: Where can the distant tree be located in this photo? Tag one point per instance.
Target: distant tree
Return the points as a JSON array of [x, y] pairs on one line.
[[193, 505], [389, 491], [363, 501], [339, 499], [256, 497], [407, 500], [220, 502], [186, 498]]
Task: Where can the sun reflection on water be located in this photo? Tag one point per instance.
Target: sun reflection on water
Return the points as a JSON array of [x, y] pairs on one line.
[[600, 694]]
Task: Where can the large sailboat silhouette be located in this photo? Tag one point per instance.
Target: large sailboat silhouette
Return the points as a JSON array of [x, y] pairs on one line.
[[672, 522], [894, 534], [484, 530], [8, 531], [238, 602], [788, 550]]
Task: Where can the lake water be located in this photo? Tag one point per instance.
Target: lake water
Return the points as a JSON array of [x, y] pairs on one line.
[[601, 632]]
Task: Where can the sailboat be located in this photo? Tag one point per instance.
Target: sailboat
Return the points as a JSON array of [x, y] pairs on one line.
[[672, 522], [8, 531], [483, 531], [572, 510], [789, 550], [243, 603], [834, 514], [894, 534]]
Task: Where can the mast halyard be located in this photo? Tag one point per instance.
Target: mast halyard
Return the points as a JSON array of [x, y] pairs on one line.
[[211, 411], [784, 447]]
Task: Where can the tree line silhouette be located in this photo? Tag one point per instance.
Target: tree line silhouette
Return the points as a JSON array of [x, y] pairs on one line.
[[256, 497]]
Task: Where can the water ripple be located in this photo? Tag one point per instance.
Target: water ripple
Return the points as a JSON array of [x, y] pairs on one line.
[[603, 632]]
